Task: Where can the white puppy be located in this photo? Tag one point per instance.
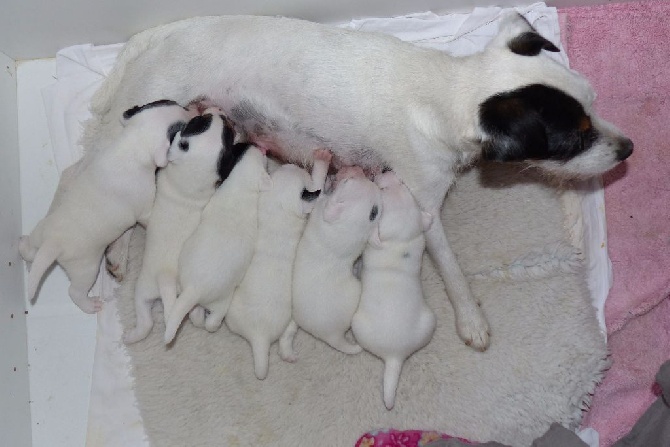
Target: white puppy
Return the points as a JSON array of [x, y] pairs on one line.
[[393, 320], [111, 191], [261, 307], [200, 158], [216, 256], [375, 101], [325, 291]]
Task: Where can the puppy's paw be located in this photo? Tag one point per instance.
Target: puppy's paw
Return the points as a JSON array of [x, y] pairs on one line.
[[134, 335], [473, 329], [286, 352], [197, 316], [26, 250], [90, 305]]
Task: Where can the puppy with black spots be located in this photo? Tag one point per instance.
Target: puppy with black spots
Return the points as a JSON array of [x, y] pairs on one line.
[[261, 307], [216, 256], [325, 291], [112, 192], [375, 102], [201, 157]]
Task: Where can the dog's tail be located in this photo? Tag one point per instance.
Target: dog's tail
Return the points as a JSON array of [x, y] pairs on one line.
[[392, 368], [186, 301], [261, 350], [45, 256]]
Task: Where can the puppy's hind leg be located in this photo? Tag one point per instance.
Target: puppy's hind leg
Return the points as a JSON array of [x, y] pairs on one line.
[[26, 249], [341, 344], [145, 294], [116, 255], [286, 351], [217, 312], [83, 274], [197, 316], [186, 301], [167, 288]]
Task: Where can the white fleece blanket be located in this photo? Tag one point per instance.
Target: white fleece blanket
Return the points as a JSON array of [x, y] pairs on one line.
[[113, 419]]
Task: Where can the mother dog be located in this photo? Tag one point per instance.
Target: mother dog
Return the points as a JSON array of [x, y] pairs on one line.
[[292, 86]]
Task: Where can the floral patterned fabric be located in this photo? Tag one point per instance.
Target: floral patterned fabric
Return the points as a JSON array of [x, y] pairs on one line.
[[407, 438]]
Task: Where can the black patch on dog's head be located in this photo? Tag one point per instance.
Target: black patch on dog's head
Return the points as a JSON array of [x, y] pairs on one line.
[[175, 128], [530, 43], [535, 122], [230, 153], [374, 212], [310, 196], [198, 124], [137, 109]]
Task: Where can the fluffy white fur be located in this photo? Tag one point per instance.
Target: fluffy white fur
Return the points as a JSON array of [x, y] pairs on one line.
[[110, 191], [261, 307], [325, 291], [183, 189], [371, 99], [393, 320], [216, 256]]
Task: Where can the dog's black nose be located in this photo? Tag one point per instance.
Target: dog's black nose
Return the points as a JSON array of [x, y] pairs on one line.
[[625, 149]]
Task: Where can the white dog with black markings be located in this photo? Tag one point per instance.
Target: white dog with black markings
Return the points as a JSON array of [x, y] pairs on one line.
[[376, 101], [325, 290], [112, 191], [261, 307], [216, 256], [393, 320], [201, 157]]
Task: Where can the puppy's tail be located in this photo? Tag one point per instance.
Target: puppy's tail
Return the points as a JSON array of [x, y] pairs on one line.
[[167, 288], [182, 306], [45, 256], [261, 351], [392, 368]]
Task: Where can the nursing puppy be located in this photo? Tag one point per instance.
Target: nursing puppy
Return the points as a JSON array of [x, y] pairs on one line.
[[393, 320], [108, 193], [325, 291], [216, 256], [201, 157], [261, 307], [375, 101]]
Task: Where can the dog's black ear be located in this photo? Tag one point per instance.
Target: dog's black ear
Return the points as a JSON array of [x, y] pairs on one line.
[[514, 130], [530, 43], [174, 129]]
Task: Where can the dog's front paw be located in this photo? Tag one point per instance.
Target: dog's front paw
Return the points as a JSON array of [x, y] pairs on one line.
[[473, 329]]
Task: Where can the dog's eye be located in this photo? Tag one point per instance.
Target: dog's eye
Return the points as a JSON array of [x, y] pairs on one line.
[[183, 145], [374, 212]]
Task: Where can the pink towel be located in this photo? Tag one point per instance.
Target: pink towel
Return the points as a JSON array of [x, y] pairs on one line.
[[624, 49]]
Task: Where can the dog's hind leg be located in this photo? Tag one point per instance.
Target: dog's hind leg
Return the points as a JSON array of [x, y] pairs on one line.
[[217, 312], [26, 249], [116, 255], [83, 274], [145, 294], [341, 344], [286, 351]]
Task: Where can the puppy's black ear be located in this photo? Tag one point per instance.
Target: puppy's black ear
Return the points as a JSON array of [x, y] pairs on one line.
[[530, 43], [514, 130]]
